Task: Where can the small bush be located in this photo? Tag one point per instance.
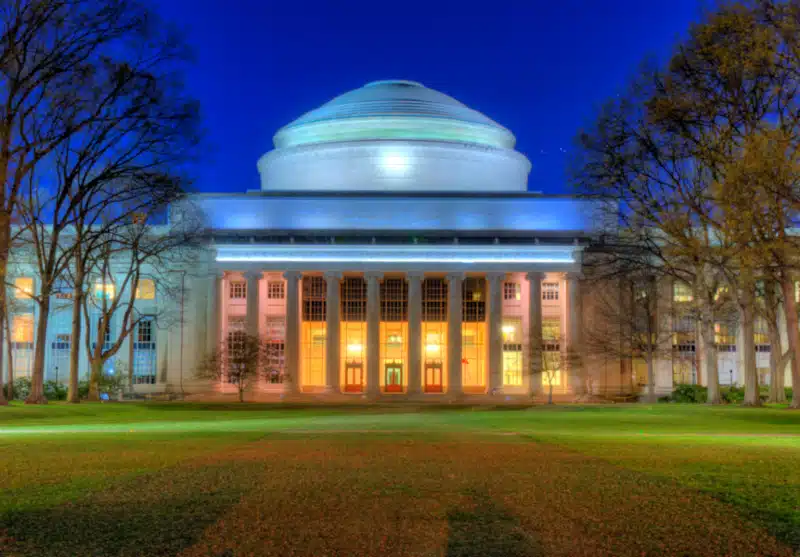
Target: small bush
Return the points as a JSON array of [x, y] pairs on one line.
[[689, 394], [732, 394], [21, 388], [55, 391]]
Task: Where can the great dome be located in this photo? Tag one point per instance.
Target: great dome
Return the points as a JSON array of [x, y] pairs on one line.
[[394, 135]]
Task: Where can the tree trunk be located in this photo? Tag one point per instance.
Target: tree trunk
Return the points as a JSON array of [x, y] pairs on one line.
[[777, 366], [36, 395], [94, 379], [550, 394], [5, 248], [752, 396], [241, 394], [75, 345], [10, 352], [3, 400], [651, 377], [710, 358], [793, 334]]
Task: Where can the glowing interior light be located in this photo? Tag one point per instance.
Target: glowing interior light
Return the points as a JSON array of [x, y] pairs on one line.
[[508, 329], [354, 348], [431, 348], [394, 163]]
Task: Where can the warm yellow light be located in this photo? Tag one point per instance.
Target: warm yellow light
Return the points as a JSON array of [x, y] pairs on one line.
[[432, 348], [508, 329], [354, 348]]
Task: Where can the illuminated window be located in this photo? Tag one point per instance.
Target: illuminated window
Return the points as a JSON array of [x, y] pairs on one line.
[[146, 290], [393, 332], [681, 292], [353, 334], [275, 290], [761, 335], [551, 369], [238, 290], [235, 344], [721, 292], [314, 291], [550, 291], [551, 334], [512, 351], [104, 289], [797, 292], [472, 301], [434, 300], [394, 300], [22, 328], [512, 291], [23, 287], [724, 337]]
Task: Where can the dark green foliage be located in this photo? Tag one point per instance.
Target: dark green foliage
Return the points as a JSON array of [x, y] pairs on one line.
[[55, 390], [687, 393], [21, 388]]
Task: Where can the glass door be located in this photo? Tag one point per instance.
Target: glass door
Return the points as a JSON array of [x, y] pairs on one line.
[[433, 377], [394, 378], [354, 378]]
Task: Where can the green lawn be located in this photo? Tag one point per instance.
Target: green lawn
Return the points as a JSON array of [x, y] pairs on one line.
[[227, 480]]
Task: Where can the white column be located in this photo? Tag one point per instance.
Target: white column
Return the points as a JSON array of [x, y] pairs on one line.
[[213, 314], [454, 317], [251, 322], [495, 330], [574, 340], [332, 342], [535, 330], [373, 332], [292, 339], [414, 332]]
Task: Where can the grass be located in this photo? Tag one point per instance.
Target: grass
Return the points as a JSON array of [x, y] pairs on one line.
[[227, 480]]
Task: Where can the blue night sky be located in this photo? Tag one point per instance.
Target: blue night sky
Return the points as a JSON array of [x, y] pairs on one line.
[[540, 68]]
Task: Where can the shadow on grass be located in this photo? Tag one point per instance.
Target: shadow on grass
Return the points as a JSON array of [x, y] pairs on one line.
[[484, 529], [153, 515]]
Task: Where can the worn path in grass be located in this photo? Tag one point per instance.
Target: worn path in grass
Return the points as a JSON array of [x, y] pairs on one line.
[[567, 481]]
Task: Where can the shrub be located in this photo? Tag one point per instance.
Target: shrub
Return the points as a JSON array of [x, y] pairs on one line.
[[21, 388], [55, 391], [689, 394], [732, 394]]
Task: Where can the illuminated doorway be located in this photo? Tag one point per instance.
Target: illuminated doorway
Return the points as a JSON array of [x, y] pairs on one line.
[[394, 377], [354, 378], [433, 377]]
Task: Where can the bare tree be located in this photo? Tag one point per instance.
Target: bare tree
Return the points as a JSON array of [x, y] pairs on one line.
[[239, 362]]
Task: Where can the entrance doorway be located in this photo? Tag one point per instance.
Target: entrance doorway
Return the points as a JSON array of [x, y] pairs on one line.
[[394, 378], [433, 377], [354, 378]]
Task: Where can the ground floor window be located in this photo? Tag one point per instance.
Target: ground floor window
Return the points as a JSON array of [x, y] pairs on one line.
[[313, 353], [144, 353], [512, 351], [393, 335], [353, 336], [235, 342], [639, 375], [684, 371], [275, 333], [22, 344], [434, 336], [473, 354], [552, 368]]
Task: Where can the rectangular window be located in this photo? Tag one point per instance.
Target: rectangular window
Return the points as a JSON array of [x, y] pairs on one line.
[[314, 291], [276, 350], [146, 289], [434, 300], [22, 328], [512, 291], [394, 300], [235, 345], [104, 289], [512, 351], [724, 337], [238, 290], [275, 290], [681, 292], [551, 335], [144, 352], [23, 287], [550, 291], [473, 303]]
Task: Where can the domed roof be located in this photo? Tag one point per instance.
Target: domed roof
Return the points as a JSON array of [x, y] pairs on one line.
[[394, 109]]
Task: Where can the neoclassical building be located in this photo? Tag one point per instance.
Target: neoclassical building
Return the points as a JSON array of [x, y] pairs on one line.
[[393, 250]]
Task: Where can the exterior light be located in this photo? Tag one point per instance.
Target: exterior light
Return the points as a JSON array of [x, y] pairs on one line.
[[395, 164], [432, 348]]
